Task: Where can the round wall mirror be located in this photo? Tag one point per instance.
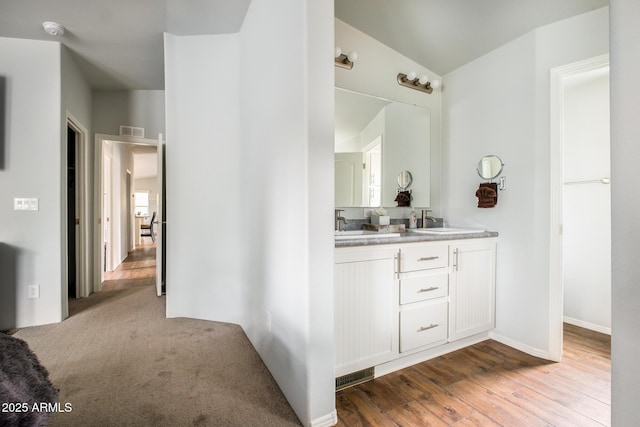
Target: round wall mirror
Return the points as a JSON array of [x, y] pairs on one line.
[[489, 167], [404, 180]]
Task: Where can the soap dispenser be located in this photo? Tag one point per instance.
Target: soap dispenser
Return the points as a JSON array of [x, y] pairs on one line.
[[413, 220]]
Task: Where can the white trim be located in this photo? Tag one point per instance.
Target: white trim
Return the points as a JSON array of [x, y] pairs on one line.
[[556, 149], [587, 325], [326, 421], [523, 347]]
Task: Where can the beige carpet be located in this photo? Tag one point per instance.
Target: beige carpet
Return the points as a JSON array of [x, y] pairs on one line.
[[119, 362]]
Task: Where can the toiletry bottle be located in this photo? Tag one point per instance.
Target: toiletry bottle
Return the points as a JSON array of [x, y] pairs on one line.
[[413, 220]]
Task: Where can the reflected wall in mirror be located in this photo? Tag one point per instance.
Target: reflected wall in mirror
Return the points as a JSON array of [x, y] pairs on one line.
[[489, 167], [375, 140]]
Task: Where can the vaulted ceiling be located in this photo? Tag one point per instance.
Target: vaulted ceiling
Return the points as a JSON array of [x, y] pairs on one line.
[[118, 44], [442, 35]]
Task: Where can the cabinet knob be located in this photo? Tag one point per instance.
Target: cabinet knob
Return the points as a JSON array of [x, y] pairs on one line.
[[433, 288]]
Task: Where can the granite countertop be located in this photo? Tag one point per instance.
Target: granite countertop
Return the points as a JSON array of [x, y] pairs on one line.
[[411, 237]]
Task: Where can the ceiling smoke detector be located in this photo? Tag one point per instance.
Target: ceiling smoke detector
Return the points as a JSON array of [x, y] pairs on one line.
[[53, 28]]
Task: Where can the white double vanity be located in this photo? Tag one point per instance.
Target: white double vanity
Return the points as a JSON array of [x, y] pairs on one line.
[[404, 299]]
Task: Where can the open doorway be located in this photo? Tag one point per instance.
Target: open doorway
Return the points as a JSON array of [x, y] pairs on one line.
[[579, 176], [76, 226], [129, 168], [136, 229], [72, 214], [587, 201]]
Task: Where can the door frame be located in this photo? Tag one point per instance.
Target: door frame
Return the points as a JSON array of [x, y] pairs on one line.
[[99, 140], [556, 171], [131, 243], [84, 265], [106, 247]]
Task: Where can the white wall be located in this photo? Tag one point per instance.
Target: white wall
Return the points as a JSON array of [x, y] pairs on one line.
[[499, 104], [139, 108], [287, 153], [77, 97], [203, 134], [625, 157], [406, 147], [77, 101], [30, 72], [265, 137], [375, 72]]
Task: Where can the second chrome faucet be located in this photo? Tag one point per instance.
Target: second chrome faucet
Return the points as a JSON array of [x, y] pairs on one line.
[[339, 218], [426, 217]]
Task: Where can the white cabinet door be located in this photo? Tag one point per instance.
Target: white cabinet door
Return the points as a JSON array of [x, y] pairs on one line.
[[472, 288], [366, 309]]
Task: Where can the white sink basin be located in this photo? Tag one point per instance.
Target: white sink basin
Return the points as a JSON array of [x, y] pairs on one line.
[[445, 230], [362, 234]]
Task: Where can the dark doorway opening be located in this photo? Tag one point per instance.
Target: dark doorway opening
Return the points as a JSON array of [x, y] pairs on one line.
[[72, 220]]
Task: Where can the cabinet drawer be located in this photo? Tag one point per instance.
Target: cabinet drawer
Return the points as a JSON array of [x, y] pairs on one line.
[[423, 288], [423, 257], [423, 324]]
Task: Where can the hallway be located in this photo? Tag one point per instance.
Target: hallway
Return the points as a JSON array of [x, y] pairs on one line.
[[138, 269]]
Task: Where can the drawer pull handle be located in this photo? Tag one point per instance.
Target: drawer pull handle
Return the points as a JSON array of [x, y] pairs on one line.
[[433, 288], [426, 328], [428, 258]]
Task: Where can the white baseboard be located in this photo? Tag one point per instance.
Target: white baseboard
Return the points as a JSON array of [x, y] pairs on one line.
[[522, 347], [587, 325], [326, 421]]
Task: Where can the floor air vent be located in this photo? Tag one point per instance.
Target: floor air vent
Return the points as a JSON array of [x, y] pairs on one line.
[[354, 378]]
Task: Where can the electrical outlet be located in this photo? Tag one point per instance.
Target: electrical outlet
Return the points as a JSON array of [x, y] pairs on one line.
[[34, 291], [268, 321]]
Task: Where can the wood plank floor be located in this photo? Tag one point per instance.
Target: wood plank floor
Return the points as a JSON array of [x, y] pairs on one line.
[[138, 269], [491, 384]]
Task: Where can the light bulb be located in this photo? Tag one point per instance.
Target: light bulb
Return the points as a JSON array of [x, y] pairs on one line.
[[338, 51], [411, 75], [435, 84], [423, 79], [353, 56]]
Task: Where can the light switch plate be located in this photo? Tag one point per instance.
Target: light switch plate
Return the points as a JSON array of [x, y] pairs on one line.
[[25, 204]]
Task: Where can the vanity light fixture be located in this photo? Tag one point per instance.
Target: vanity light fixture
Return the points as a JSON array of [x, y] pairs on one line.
[[345, 61], [53, 28], [421, 83]]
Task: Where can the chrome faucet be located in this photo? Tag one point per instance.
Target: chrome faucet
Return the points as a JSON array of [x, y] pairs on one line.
[[426, 217], [339, 218]]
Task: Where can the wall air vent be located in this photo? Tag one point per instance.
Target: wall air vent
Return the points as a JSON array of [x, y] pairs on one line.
[[354, 378], [132, 131]]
